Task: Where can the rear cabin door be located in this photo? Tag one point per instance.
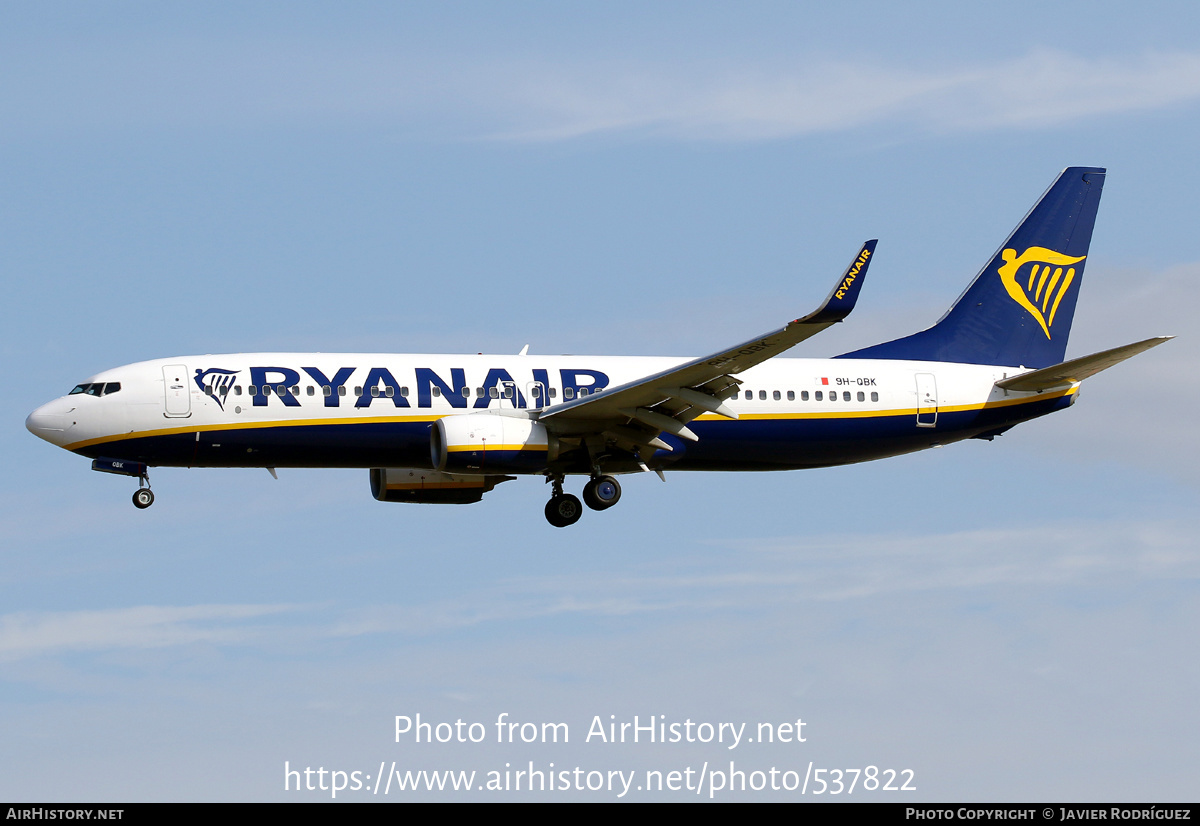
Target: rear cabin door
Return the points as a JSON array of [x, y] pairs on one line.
[[926, 400]]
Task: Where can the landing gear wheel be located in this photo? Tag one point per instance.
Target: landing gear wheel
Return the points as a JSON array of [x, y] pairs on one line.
[[563, 509], [601, 493], [143, 498]]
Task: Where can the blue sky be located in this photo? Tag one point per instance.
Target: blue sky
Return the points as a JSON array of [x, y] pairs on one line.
[[1011, 620]]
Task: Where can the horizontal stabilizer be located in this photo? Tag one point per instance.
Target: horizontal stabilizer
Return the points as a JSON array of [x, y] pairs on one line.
[[1076, 370]]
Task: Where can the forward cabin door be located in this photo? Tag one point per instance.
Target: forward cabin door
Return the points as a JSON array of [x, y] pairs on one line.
[[926, 400], [178, 399]]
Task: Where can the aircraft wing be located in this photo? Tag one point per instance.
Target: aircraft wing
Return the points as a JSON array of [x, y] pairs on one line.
[[637, 412], [1076, 370]]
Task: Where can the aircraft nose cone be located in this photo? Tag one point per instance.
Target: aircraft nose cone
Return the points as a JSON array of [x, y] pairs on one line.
[[49, 422]]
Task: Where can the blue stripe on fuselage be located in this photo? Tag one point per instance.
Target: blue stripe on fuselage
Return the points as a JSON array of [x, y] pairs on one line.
[[744, 444]]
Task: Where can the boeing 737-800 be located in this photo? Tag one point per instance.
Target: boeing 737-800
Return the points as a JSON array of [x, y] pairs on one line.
[[448, 429]]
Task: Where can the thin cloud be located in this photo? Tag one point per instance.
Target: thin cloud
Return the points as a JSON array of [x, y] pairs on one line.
[[773, 572], [769, 573], [180, 84], [145, 626], [1037, 90]]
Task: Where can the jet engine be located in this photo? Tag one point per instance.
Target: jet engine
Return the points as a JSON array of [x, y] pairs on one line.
[[417, 485], [482, 443]]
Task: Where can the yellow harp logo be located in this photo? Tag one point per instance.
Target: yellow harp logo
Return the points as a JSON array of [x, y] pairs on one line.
[[1041, 291]]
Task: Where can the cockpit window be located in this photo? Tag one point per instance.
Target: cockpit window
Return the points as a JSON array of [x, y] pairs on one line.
[[98, 388]]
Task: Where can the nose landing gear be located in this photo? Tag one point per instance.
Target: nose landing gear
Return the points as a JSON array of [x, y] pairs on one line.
[[143, 497]]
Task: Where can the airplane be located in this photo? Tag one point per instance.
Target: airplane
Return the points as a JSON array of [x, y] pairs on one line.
[[449, 428]]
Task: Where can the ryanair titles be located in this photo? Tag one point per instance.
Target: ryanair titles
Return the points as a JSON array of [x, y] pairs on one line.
[[855, 269], [267, 385]]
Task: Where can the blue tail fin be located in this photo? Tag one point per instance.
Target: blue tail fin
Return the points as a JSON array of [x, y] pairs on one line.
[[1018, 310]]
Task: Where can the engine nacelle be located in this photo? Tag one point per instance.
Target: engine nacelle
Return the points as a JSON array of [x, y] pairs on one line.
[[404, 484], [487, 443]]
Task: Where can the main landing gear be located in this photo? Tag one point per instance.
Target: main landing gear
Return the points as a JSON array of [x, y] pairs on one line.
[[602, 493], [563, 509]]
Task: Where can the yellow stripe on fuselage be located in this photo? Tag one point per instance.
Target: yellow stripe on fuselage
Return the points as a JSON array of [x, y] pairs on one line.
[[468, 448], [824, 414], [904, 411], [172, 431]]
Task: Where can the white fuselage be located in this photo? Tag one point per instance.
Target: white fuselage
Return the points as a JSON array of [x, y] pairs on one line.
[[375, 410]]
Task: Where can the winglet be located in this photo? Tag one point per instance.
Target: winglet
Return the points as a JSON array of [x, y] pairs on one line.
[[843, 297]]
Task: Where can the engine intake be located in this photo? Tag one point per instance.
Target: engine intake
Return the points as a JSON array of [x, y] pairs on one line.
[[482, 443]]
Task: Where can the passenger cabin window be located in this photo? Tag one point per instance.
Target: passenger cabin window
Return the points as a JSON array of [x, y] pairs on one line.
[[237, 390], [803, 395], [791, 395], [312, 391], [342, 390], [326, 390], [817, 396], [437, 392], [749, 395], [776, 395], [493, 393], [845, 395], [862, 397], [568, 393], [390, 391], [874, 396]]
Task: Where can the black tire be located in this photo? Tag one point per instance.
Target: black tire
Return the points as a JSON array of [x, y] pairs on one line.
[[563, 510], [143, 498], [602, 493]]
